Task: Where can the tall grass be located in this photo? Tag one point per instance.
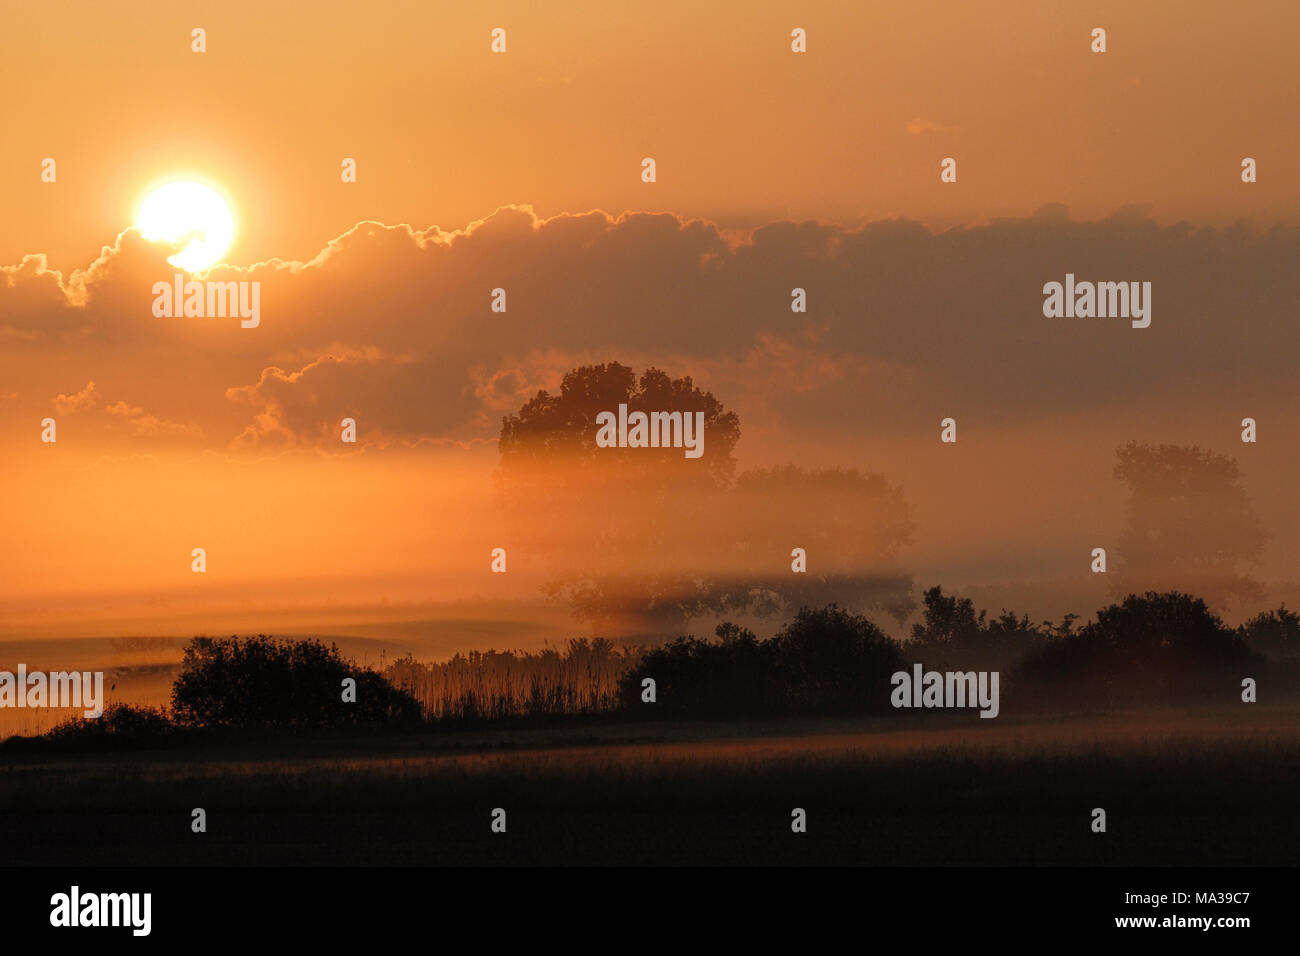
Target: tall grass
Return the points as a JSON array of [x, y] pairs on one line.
[[580, 679]]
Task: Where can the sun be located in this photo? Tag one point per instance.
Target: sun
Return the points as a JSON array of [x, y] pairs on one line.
[[191, 215]]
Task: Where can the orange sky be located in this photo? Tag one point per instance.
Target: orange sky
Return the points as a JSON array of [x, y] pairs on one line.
[[743, 130], [205, 434]]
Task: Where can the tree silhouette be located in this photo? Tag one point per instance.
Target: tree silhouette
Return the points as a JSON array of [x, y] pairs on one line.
[[553, 430], [1190, 525], [851, 525], [644, 539], [622, 526], [953, 635]]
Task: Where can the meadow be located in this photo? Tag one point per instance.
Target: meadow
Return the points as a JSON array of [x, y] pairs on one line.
[[1180, 787], [744, 735]]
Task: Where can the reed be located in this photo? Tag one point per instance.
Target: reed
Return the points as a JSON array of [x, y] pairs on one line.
[[581, 678]]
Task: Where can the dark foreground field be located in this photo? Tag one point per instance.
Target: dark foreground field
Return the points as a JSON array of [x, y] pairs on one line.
[[1178, 787]]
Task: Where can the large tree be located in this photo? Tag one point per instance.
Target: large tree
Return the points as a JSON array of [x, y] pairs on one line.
[[642, 539], [850, 525], [1191, 526]]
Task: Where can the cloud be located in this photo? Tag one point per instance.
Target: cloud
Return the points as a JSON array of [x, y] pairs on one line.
[[307, 406], [77, 402], [392, 325], [137, 421], [144, 425]]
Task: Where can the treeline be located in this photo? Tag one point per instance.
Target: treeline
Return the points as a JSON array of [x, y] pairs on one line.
[[1148, 649], [1151, 648]]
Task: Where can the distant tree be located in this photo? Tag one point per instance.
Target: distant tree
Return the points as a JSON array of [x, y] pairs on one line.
[[850, 524], [258, 682], [1190, 525], [560, 429], [953, 634], [949, 620], [632, 514], [661, 538]]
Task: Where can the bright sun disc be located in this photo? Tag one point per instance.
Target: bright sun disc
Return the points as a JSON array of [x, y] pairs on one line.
[[192, 216]]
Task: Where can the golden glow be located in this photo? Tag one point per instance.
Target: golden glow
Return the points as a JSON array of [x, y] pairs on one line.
[[191, 215]]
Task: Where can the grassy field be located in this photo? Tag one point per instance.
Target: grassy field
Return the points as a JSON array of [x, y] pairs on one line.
[[1179, 787]]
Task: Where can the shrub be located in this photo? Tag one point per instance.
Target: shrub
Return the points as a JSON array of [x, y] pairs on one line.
[[823, 661], [1164, 646], [120, 726], [1275, 634], [832, 661], [733, 678], [259, 683]]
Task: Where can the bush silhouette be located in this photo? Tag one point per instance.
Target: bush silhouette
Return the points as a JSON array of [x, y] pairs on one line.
[[823, 661], [120, 726], [1275, 634], [1155, 647], [260, 683], [831, 661], [693, 677]]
